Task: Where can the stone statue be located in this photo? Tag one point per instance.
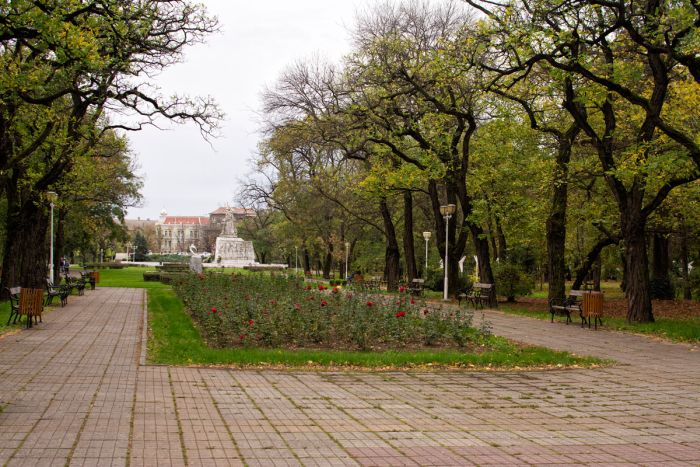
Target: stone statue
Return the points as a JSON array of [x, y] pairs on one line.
[[195, 260], [230, 249], [229, 225]]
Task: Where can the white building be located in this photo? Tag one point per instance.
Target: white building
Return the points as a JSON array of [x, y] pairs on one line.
[[175, 234]]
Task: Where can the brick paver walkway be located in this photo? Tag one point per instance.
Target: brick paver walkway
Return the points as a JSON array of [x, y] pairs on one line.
[[74, 393]]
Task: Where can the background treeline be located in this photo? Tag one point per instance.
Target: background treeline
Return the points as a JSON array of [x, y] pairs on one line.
[[74, 76], [565, 132]]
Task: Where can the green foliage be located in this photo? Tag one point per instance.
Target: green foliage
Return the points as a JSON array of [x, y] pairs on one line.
[[105, 265], [168, 258], [436, 279], [140, 247], [662, 289], [512, 281]]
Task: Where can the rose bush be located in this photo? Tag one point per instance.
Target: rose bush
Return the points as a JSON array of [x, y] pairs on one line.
[[276, 311]]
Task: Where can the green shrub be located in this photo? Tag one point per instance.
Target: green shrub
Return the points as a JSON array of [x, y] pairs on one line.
[[151, 276], [662, 289], [511, 281], [168, 258], [110, 265], [436, 279]]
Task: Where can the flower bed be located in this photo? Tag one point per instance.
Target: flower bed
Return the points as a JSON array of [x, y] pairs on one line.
[[278, 311]]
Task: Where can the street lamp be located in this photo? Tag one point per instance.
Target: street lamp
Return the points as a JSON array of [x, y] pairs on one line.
[[426, 236], [347, 252], [52, 196], [447, 212]]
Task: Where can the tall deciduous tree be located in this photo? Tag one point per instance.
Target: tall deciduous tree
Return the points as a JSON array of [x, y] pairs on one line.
[[64, 65], [631, 87]]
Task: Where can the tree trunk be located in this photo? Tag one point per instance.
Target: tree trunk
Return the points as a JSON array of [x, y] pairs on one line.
[[492, 237], [637, 270], [26, 246], [660, 267], [556, 226], [306, 261], [481, 246], [408, 244], [317, 263], [597, 269], [591, 258], [60, 242], [392, 256], [687, 292], [328, 261], [501, 241]]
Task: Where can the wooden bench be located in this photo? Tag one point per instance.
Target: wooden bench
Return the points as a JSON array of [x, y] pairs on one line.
[[588, 304], [479, 295], [416, 287], [564, 307]]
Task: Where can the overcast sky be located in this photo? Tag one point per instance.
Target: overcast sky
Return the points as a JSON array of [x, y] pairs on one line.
[[259, 39]]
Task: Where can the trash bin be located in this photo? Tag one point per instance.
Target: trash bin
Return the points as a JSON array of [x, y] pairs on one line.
[[593, 307], [94, 279]]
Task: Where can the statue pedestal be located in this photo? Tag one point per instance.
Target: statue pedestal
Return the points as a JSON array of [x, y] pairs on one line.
[[234, 252]]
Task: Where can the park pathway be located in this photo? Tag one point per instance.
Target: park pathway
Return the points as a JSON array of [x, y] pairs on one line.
[[75, 391]]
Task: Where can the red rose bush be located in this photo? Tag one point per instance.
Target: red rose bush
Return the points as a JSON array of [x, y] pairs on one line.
[[259, 310]]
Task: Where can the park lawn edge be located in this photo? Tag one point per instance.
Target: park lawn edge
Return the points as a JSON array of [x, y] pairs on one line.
[[173, 340]]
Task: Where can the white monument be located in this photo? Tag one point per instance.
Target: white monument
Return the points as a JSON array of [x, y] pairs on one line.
[[231, 250], [195, 260]]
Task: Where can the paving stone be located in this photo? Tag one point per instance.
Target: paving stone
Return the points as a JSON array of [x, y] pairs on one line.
[[74, 392]]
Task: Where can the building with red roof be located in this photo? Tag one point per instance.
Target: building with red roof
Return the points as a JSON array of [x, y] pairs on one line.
[[175, 234]]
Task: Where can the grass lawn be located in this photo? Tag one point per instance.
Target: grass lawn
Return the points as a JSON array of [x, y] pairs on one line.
[[131, 277], [174, 340], [4, 315]]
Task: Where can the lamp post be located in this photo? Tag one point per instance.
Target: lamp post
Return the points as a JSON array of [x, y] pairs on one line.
[[426, 236], [296, 261], [347, 252], [52, 196], [447, 212]]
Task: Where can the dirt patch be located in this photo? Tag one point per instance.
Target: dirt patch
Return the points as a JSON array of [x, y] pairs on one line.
[[673, 309]]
